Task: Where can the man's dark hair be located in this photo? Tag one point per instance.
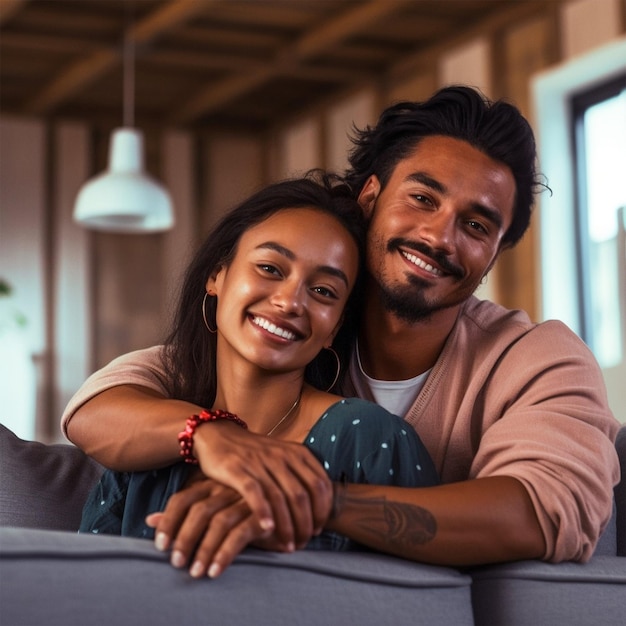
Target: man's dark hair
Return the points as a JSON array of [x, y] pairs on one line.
[[495, 128]]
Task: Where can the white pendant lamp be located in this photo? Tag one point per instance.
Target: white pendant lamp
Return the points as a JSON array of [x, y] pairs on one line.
[[125, 199]]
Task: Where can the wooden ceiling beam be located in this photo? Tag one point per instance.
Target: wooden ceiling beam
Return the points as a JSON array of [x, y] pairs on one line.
[[425, 57], [78, 75], [71, 80], [287, 58], [162, 20], [46, 43], [8, 8], [343, 27]]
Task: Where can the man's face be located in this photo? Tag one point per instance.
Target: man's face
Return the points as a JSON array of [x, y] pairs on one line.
[[436, 227]]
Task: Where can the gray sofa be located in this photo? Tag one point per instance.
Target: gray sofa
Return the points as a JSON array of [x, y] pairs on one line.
[[49, 575]]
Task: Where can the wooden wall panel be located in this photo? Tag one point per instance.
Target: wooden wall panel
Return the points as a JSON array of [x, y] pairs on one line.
[[232, 167], [71, 345], [526, 49], [179, 244], [587, 24]]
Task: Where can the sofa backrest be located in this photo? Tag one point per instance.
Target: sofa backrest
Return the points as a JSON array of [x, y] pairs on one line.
[[43, 486]]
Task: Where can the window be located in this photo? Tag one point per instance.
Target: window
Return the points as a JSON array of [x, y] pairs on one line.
[[599, 126], [583, 253]]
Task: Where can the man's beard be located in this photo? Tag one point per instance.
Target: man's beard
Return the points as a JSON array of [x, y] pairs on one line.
[[408, 303]]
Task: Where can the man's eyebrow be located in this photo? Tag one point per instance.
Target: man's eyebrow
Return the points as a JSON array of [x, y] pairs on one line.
[[488, 213], [326, 269], [495, 217], [425, 179]]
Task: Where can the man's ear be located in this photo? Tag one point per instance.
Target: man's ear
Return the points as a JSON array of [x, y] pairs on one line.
[[368, 195]]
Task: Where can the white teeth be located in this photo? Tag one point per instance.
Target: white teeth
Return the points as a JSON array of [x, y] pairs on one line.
[[425, 266], [272, 328]]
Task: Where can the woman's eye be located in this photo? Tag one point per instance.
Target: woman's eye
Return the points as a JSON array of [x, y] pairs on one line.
[[324, 291], [269, 269], [423, 199]]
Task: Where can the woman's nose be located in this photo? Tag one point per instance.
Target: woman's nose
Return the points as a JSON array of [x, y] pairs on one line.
[[289, 297]]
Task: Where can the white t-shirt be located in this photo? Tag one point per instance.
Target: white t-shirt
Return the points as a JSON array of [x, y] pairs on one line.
[[397, 396]]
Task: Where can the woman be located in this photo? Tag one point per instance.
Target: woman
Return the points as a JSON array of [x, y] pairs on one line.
[[266, 293]]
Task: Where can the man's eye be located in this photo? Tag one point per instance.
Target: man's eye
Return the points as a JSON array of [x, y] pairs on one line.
[[473, 224]]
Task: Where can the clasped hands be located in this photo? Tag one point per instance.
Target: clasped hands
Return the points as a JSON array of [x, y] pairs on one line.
[[249, 490]]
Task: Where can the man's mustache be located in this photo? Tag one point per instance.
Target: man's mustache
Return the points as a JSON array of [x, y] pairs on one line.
[[441, 259]]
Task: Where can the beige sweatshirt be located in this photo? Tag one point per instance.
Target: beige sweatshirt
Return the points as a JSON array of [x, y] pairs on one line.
[[506, 397]]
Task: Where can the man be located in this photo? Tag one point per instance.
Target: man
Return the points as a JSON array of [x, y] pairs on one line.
[[514, 414]]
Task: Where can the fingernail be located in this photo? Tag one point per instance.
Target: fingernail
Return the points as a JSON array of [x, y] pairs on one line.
[[197, 569], [291, 547], [178, 559], [267, 523], [214, 571], [161, 541]]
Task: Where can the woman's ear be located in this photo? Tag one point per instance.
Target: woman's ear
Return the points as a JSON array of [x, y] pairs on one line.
[[369, 193], [214, 282]]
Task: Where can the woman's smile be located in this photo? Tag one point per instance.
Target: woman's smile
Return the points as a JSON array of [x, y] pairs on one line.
[[274, 329]]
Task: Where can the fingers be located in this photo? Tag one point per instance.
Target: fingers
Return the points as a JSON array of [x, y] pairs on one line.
[[228, 533], [283, 483], [293, 503], [206, 493]]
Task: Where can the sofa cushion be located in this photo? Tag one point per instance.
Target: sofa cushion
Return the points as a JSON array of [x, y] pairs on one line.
[[43, 486], [61, 578], [532, 592], [607, 543]]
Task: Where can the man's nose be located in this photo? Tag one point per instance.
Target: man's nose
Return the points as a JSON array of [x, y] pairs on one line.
[[438, 229]]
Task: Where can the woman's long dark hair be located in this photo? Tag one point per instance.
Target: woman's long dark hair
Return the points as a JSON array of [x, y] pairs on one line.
[[189, 355]]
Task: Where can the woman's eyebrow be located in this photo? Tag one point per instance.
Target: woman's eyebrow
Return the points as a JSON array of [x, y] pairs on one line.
[[272, 245], [286, 252]]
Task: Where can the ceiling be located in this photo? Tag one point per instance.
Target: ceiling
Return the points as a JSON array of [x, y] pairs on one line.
[[219, 63]]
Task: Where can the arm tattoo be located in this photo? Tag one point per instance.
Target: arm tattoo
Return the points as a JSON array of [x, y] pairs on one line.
[[404, 525]]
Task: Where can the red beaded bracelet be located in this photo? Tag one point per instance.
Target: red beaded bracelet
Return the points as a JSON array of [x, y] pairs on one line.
[[185, 438]]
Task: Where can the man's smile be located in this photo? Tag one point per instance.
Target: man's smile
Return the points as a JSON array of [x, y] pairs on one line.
[[422, 264], [438, 265]]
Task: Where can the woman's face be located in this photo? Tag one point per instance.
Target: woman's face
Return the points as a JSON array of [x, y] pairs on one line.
[[280, 300]]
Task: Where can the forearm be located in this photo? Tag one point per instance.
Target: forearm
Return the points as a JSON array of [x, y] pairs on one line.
[[130, 428], [468, 523]]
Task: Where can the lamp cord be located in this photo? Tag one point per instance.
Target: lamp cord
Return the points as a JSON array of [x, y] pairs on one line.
[[128, 67]]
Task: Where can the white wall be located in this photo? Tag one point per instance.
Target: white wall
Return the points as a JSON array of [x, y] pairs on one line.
[[23, 240]]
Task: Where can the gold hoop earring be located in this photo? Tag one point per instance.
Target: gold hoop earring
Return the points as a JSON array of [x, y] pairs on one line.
[[338, 368], [204, 315]]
